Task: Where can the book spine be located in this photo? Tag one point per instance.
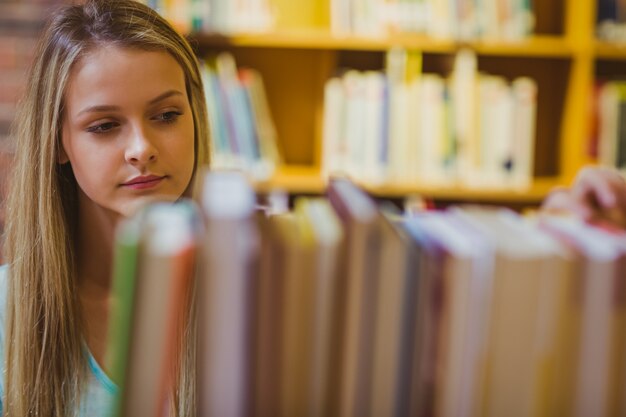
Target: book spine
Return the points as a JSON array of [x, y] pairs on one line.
[[225, 297]]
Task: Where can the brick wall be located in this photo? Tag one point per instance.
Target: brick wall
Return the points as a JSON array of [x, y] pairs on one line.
[[21, 22]]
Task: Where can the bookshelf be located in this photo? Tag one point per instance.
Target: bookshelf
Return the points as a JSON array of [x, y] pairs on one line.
[[301, 54], [305, 179]]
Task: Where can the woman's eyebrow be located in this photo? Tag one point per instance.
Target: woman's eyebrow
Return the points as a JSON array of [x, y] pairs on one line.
[[105, 107], [165, 95], [98, 109]]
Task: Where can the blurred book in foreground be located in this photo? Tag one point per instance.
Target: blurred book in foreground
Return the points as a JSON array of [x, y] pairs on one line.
[[344, 307]]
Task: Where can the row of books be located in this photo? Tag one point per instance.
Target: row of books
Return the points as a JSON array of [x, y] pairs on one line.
[[216, 16], [448, 19], [611, 20], [346, 308], [243, 135], [407, 127]]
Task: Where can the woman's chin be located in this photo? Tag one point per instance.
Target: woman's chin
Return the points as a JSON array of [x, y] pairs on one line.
[[138, 203]]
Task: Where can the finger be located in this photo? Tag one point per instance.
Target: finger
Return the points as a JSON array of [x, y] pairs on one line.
[[614, 216], [590, 184], [597, 186], [619, 188], [617, 183]]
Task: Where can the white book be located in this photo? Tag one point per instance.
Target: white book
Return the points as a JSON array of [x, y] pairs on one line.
[[440, 23], [396, 71], [374, 167], [525, 18], [432, 133], [334, 154], [490, 21], [463, 83], [397, 16], [398, 133], [396, 62], [524, 131], [499, 135], [340, 17], [466, 24], [255, 16], [368, 19], [354, 87], [516, 19], [487, 104], [219, 13]]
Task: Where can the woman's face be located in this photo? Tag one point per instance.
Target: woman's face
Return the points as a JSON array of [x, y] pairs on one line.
[[128, 129]]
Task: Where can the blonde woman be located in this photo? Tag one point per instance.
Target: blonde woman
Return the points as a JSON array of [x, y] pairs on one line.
[[114, 113]]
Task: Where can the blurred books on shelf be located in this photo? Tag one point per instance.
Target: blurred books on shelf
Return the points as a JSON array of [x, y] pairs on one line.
[[531, 69], [470, 129], [344, 307], [443, 19], [456, 19], [216, 16], [611, 20], [242, 131], [610, 116]]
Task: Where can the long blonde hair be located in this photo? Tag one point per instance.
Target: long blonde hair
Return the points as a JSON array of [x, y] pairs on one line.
[[45, 360]]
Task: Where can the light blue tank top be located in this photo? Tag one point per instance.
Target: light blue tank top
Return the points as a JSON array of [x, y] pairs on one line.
[[98, 397]]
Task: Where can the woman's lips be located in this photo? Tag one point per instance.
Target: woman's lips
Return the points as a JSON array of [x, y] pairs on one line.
[[143, 182]]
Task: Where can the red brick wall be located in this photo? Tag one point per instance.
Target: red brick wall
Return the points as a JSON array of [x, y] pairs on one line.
[[21, 22]]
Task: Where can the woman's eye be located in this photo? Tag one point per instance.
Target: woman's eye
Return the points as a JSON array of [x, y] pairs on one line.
[[102, 127], [168, 116]]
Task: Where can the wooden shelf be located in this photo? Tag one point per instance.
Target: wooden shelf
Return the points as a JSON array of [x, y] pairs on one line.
[[294, 179], [307, 180], [536, 46], [610, 50]]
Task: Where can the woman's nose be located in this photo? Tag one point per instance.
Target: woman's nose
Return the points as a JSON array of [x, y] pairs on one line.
[[141, 149]]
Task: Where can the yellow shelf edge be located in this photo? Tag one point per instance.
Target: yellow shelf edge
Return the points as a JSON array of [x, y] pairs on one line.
[[307, 180], [535, 46], [610, 50]]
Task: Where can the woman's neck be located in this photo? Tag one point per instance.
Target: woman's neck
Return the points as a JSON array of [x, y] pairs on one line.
[[94, 249]]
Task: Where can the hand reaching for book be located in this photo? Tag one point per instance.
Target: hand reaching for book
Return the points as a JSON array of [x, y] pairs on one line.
[[598, 195]]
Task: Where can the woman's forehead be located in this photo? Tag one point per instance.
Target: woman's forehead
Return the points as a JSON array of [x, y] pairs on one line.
[[119, 73]]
